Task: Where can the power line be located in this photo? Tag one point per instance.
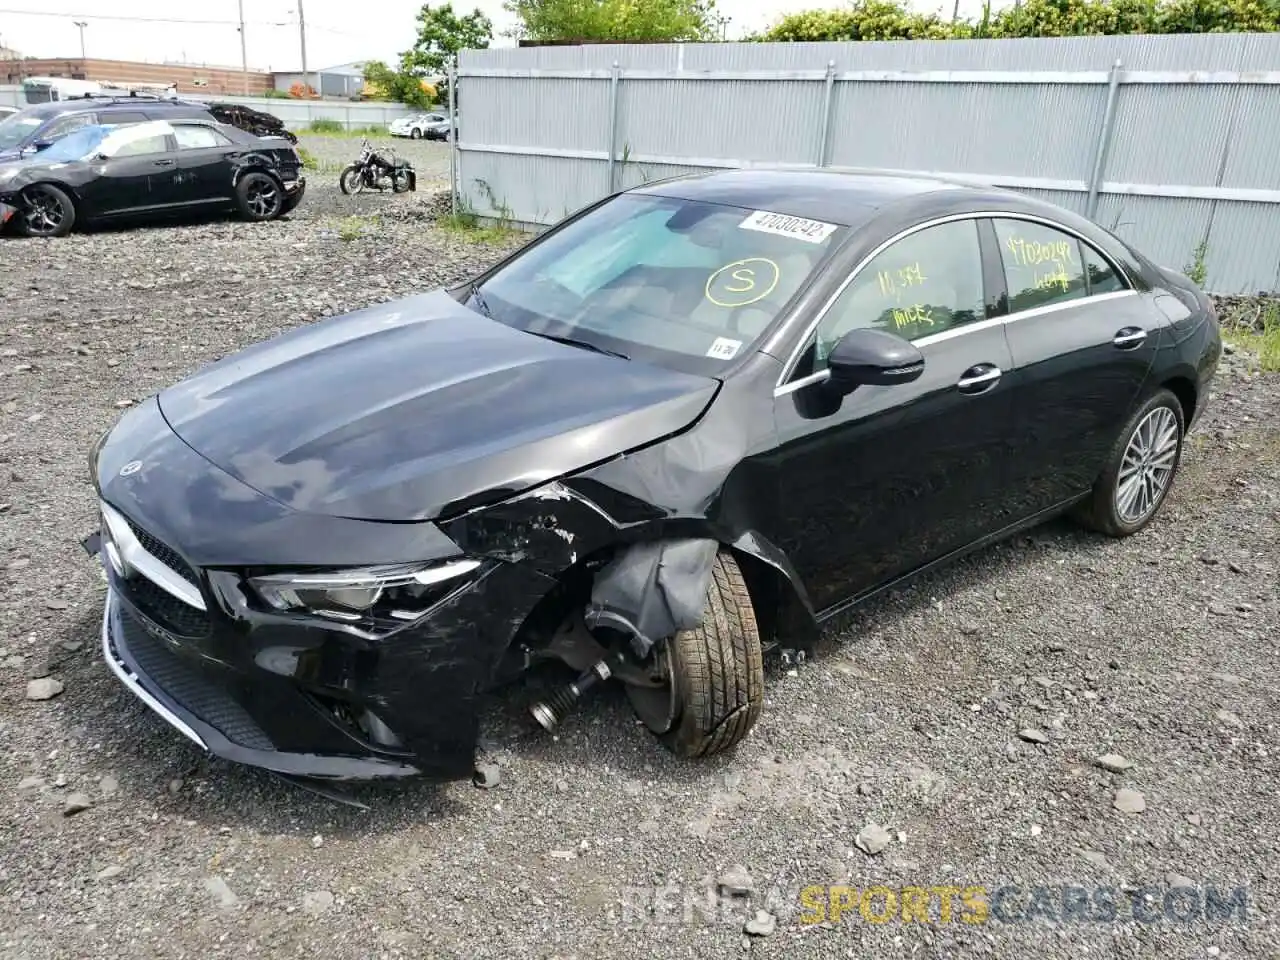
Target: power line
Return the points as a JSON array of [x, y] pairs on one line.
[[107, 16]]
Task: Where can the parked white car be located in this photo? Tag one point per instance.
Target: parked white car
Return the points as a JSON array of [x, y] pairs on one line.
[[420, 125]]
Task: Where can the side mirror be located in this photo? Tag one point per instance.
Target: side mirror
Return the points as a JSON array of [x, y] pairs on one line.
[[41, 144], [872, 357]]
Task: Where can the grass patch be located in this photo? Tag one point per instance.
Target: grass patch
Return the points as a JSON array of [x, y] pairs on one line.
[[309, 161], [355, 226], [325, 125], [1261, 335], [469, 225]]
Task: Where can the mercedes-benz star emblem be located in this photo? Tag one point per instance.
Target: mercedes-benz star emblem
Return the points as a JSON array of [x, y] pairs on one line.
[[133, 466]]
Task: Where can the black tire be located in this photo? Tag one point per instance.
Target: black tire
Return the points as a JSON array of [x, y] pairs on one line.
[[717, 670], [415, 134], [1102, 510], [400, 181], [47, 211], [351, 171], [259, 196]]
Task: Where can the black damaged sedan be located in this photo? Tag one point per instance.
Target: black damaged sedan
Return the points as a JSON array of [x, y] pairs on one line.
[[683, 427]]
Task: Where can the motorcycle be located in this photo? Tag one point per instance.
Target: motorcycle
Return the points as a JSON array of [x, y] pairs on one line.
[[377, 170]]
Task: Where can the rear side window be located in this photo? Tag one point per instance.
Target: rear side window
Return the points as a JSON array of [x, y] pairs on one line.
[[143, 146], [123, 116], [1042, 266], [195, 137]]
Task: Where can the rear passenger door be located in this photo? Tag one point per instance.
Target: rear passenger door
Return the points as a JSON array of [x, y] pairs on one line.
[[1082, 348], [204, 164]]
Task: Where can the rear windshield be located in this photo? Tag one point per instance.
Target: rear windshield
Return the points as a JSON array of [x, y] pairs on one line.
[[687, 284]]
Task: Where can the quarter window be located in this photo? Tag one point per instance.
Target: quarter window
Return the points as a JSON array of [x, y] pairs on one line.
[[927, 282], [1042, 266], [1101, 274]]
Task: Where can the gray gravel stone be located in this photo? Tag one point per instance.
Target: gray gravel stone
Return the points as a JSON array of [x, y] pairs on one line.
[[763, 924], [76, 803], [1032, 735], [735, 882], [1129, 801], [44, 688], [1114, 763], [872, 839]]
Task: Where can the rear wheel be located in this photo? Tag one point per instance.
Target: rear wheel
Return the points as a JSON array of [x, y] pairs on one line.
[[400, 181], [1140, 469], [259, 197], [715, 673], [48, 212], [415, 134]]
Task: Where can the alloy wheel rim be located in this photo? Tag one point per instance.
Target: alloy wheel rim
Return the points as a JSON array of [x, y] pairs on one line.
[[1147, 467], [44, 213], [262, 198]]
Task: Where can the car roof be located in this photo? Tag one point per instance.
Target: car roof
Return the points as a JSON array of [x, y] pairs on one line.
[[75, 104], [833, 196]]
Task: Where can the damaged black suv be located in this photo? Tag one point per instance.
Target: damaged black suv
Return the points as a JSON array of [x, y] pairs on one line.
[[682, 427]]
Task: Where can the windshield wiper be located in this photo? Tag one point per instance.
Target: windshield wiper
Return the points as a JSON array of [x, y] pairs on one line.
[[478, 297], [571, 341]]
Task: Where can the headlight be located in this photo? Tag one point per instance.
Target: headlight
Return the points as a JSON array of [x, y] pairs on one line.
[[399, 592]]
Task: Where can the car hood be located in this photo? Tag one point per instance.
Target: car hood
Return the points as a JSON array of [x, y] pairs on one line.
[[420, 409]]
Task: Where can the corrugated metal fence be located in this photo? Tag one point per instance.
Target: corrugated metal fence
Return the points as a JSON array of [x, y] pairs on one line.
[[295, 114], [1170, 140]]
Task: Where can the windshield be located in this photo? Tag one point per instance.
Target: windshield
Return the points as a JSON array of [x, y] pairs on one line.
[[686, 284], [15, 129], [76, 145]]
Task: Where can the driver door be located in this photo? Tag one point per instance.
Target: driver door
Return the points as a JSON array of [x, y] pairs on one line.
[[889, 478]]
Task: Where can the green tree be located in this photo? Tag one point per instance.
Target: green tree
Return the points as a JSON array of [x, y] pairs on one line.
[[441, 34], [890, 20], [618, 21], [398, 85]]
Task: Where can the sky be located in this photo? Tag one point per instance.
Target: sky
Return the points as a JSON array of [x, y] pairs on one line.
[[128, 29]]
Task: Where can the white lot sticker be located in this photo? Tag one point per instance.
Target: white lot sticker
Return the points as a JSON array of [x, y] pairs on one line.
[[798, 228], [724, 348]]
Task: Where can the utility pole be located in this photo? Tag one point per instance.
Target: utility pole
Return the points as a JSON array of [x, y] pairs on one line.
[[244, 57], [81, 24], [302, 34]]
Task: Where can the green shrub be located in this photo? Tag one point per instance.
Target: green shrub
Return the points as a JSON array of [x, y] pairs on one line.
[[325, 125]]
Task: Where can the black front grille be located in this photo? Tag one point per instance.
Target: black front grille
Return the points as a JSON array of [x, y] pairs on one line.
[[185, 682], [165, 554], [165, 609]]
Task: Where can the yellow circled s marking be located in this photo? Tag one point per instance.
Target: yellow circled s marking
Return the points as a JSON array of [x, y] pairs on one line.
[[744, 275]]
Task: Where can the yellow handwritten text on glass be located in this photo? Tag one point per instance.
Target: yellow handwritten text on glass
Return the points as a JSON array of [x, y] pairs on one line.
[[1029, 253], [915, 315], [893, 282]]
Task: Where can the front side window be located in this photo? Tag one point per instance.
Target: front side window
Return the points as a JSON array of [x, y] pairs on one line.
[[926, 283], [1042, 266], [64, 125], [80, 144], [688, 284]]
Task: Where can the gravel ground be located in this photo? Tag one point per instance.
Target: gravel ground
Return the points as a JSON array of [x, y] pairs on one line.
[[963, 715]]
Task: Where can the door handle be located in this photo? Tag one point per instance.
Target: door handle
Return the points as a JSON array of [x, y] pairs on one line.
[[1129, 337], [979, 378], [165, 163]]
